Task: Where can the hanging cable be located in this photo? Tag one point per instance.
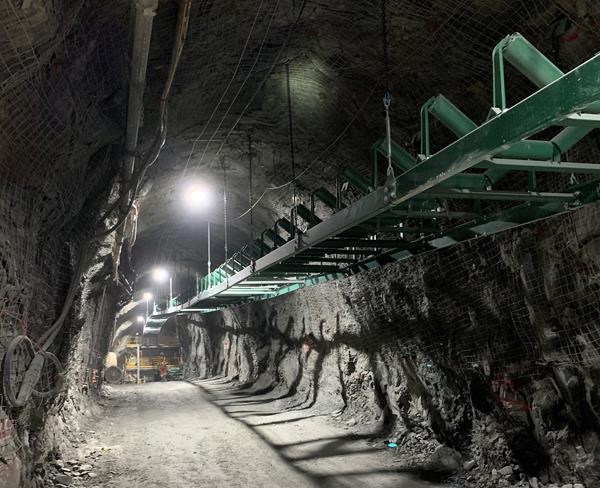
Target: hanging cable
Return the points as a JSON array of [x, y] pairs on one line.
[[250, 196], [225, 206], [99, 319], [231, 80], [291, 138], [386, 59], [390, 179], [259, 89], [387, 101], [132, 187], [317, 158], [389, 190], [237, 94], [376, 85]]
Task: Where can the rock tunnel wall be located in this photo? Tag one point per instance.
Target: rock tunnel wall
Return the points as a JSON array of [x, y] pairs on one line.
[[48, 428], [63, 95], [490, 347]]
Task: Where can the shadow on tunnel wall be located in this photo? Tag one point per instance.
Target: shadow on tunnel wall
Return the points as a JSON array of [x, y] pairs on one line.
[[490, 347]]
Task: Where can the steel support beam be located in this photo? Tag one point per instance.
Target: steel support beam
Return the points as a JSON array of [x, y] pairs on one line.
[[246, 293], [319, 251], [258, 281], [530, 196], [550, 105], [546, 107], [541, 166], [591, 121], [401, 158], [431, 214], [375, 244], [303, 269], [319, 259]]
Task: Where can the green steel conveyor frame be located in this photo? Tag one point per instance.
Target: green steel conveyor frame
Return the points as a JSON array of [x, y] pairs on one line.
[[377, 229]]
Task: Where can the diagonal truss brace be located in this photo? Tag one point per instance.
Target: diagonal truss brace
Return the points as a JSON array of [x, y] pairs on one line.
[[549, 106]]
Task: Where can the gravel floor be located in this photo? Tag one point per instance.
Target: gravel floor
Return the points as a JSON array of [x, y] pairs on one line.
[[211, 434]]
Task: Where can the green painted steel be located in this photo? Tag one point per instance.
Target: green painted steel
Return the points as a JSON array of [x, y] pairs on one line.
[[448, 114], [519, 52], [326, 197], [545, 108], [453, 118], [540, 150], [589, 120], [341, 245], [542, 166], [531, 196], [401, 158], [542, 72], [357, 180], [568, 137], [308, 215], [154, 324]]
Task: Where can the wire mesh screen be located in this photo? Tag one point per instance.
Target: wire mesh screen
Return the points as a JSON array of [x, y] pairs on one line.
[[232, 80], [63, 70], [500, 314], [511, 307], [62, 79]]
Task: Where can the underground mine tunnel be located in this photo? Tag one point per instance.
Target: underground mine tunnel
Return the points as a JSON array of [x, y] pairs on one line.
[[272, 243]]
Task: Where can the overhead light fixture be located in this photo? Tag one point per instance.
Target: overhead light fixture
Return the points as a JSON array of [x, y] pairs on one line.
[[197, 196], [160, 275], [141, 319], [147, 296]]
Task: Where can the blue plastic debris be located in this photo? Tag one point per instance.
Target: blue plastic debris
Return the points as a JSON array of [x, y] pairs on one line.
[[392, 445]]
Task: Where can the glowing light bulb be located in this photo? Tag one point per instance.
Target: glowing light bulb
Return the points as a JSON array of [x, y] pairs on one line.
[[197, 196], [160, 275]]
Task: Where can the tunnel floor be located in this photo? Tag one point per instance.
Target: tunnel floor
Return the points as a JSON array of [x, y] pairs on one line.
[[211, 434]]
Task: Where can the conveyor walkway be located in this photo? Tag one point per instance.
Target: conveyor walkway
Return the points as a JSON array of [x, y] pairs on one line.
[[502, 173]]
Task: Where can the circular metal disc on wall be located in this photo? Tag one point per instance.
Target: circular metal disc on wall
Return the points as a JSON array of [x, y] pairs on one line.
[[113, 374]]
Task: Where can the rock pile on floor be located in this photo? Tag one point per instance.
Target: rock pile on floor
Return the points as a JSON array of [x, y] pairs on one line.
[[59, 473], [508, 477], [419, 451]]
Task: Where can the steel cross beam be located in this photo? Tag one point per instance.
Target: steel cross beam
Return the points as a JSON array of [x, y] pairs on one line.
[[362, 243], [333, 250], [529, 196], [549, 106], [541, 166]]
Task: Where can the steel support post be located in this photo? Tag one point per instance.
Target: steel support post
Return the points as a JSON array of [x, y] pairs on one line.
[[550, 105]]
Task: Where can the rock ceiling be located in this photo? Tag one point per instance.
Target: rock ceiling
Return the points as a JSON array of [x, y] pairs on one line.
[[232, 86]]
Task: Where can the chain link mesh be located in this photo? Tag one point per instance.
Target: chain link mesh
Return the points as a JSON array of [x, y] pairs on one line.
[[63, 70]]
